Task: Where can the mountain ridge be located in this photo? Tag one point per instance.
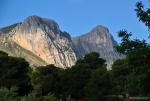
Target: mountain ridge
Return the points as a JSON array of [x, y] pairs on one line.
[[100, 40], [43, 38]]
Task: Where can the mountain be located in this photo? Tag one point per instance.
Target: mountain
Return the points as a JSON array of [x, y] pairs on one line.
[[40, 41], [98, 40]]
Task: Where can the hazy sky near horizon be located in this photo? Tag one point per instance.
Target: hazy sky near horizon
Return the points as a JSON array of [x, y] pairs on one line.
[[78, 16]]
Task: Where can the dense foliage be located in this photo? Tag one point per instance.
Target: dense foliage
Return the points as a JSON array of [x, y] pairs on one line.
[[138, 65], [143, 14], [14, 72]]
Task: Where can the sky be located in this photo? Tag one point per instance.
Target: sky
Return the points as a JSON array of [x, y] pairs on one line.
[[78, 16]]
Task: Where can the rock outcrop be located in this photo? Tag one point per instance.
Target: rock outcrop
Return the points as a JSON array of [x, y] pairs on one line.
[[43, 38], [98, 40], [41, 42]]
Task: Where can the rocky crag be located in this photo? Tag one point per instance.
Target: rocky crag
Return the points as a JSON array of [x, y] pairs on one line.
[[40, 41], [100, 40]]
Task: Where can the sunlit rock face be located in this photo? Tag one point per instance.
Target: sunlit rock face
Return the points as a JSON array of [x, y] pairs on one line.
[[41, 42], [98, 40], [44, 39]]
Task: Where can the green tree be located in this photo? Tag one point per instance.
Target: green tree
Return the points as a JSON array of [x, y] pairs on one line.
[[8, 94], [69, 99], [50, 97], [119, 74], [98, 86], [143, 14], [33, 97], [139, 64], [92, 59], [14, 72], [137, 57], [127, 45], [74, 81], [46, 79]]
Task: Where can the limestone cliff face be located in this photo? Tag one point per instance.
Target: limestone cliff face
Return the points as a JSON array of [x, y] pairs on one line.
[[44, 39], [41, 42], [98, 40]]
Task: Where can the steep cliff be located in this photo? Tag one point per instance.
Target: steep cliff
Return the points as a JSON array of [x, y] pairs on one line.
[[41, 37], [41, 42], [98, 40]]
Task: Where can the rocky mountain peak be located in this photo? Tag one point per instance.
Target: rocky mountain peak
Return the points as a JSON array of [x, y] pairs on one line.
[[101, 32], [33, 19], [100, 28], [35, 22], [43, 38], [41, 42], [100, 40], [98, 35]]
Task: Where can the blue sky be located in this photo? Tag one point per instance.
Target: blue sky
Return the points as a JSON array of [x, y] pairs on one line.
[[77, 16]]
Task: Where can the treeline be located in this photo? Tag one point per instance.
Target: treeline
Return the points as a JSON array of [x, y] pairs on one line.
[[19, 82], [87, 80]]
